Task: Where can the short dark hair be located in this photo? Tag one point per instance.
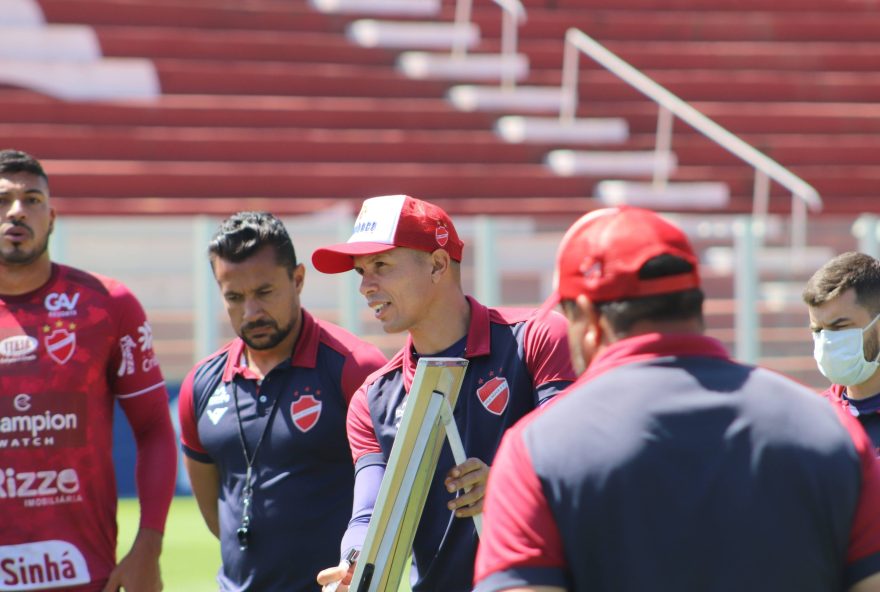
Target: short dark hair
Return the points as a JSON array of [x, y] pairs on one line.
[[850, 271], [674, 306], [16, 161], [243, 234]]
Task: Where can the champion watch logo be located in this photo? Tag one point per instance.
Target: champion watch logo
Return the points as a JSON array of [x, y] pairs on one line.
[[494, 395], [305, 412], [60, 342]]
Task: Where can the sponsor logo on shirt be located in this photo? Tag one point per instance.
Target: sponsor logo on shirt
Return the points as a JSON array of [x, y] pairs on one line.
[[40, 420], [145, 339], [60, 341], [215, 414], [18, 348], [305, 412], [126, 349], [398, 413], [494, 394], [40, 488], [42, 565], [61, 305], [219, 397]]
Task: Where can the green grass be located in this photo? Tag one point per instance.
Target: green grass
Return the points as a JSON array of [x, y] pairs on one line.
[[190, 554]]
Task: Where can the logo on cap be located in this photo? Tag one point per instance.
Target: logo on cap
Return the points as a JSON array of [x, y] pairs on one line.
[[442, 235]]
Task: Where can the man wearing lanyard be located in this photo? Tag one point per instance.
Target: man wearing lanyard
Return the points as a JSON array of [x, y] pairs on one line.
[[263, 418]]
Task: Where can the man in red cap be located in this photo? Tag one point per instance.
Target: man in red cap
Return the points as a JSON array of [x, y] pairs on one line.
[[667, 466], [408, 254]]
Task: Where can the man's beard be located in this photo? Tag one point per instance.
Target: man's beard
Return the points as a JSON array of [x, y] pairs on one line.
[[21, 257], [272, 340]]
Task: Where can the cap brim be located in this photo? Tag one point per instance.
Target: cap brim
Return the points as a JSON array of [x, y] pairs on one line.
[[548, 306], [340, 258]]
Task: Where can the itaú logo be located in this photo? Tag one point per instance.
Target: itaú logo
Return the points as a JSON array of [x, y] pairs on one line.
[[42, 565], [18, 348]]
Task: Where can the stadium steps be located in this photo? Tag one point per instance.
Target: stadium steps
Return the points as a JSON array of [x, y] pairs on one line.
[[220, 47]]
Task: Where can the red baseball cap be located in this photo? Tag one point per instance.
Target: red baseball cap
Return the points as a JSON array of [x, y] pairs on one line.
[[387, 222], [602, 253]]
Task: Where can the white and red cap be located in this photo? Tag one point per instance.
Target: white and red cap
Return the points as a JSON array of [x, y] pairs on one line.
[[387, 222], [602, 253]]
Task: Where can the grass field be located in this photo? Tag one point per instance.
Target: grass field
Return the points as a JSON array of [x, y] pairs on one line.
[[190, 554]]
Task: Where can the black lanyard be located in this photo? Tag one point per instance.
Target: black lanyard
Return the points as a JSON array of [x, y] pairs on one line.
[[243, 532]]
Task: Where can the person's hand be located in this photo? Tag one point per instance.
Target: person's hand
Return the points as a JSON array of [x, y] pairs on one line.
[[139, 570], [470, 476], [337, 579]]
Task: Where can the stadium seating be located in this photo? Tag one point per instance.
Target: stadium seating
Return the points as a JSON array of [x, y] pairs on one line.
[[269, 104]]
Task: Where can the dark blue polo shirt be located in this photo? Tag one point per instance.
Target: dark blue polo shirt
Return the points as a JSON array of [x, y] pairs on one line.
[[867, 411], [516, 361], [669, 467], [304, 473]]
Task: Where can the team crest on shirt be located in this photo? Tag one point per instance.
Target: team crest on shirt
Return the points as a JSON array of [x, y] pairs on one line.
[[60, 341], [305, 412], [494, 394]]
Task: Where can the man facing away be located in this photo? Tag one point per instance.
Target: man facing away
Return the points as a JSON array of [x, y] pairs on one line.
[[668, 466], [843, 298], [263, 418], [408, 255], [71, 344]]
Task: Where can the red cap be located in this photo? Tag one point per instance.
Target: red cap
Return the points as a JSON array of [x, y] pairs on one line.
[[602, 253], [391, 221]]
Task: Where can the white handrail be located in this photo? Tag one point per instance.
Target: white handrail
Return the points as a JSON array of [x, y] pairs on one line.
[[803, 194], [513, 13]]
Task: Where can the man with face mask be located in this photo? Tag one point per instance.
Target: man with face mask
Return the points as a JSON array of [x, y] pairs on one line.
[[843, 297]]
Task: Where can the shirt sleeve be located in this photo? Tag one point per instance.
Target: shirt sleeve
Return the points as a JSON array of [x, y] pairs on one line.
[[367, 482], [133, 368], [358, 366], [520, 545], [863, 554], [361, 434], [547, 355], [190, 442], [156, 464]]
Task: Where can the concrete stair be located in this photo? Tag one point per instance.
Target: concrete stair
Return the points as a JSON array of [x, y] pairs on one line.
[[806, 97]]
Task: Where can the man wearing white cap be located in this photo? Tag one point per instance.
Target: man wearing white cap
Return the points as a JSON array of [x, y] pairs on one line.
[[408, 254], [667, 466]]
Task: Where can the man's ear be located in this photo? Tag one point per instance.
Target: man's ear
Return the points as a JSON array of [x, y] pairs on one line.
[[592, 321], [440, 262], [299, 277]]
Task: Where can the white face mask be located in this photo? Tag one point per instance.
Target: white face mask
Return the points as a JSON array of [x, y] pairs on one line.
[[840, 355]]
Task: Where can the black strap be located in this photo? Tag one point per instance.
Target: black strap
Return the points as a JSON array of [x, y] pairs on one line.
[[248, 493]]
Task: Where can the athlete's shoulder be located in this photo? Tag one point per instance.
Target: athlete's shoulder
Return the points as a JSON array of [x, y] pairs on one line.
[[343, 341], [74, 276], [509, 315], [211, 365], [393, 366], [94, 286]]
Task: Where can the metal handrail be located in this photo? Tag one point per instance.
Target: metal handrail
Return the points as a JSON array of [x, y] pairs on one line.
[[513, 13], [804, 195]]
